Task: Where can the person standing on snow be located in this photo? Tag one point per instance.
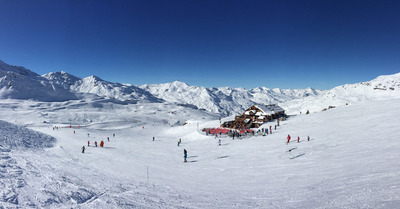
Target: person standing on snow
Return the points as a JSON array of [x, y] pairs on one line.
[[101, 143], [298, 139], [308, 138], [88, 143], [95, 143], [288, 139], [83, 149], [184, 155]]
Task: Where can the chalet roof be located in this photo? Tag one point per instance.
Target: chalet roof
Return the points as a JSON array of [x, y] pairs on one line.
[[270, 109]]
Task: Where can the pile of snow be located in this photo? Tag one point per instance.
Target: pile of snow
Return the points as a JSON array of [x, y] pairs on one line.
[[14, 136]]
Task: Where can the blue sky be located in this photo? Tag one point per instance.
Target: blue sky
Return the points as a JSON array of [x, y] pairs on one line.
[[212, 43]]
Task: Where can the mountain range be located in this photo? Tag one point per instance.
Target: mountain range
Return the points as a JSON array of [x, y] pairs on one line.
[[17, 82]]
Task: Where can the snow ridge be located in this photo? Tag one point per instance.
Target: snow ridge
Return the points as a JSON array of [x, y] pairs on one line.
[[224, 100], [19, 83], [97, 86], [382, 88]]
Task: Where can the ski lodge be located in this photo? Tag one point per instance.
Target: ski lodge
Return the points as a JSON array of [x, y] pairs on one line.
[[255, 116]]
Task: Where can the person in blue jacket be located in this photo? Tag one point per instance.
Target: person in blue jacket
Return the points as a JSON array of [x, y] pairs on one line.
[[184, 155]]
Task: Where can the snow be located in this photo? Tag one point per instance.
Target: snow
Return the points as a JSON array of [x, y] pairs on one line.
[[381, 88], [351, 160]]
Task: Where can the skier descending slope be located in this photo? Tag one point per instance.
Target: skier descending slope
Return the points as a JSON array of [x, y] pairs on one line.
[[288, 139], [184, 155]]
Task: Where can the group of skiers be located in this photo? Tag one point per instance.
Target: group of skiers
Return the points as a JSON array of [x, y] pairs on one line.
[[298, 139], [95, 143]]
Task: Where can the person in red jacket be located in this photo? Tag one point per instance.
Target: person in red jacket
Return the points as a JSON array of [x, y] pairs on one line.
[[298, 139], [288, 139], [101, 143]]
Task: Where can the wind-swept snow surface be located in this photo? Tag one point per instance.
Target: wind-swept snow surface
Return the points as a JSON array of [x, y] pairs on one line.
[[350, 162]]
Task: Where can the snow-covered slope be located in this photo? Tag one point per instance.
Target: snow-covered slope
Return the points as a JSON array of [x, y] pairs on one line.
[[342, 166], [224, 100], [381, 88], [19, 83]]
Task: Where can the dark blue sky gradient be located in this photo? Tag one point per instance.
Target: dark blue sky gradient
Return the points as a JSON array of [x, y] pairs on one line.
[[284, 44]]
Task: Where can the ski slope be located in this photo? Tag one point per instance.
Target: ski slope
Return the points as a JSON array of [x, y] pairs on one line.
[[350, 162]]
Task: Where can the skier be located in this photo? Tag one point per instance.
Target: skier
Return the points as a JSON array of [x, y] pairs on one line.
[[101, 143], [298, 139], [95, 143], [153, 138], [74, 132], [108, 138], [113, 135], [288, 139], [88, 143], [275, 126], [184, 155], [179, 142], [83, 149], [308, 138]]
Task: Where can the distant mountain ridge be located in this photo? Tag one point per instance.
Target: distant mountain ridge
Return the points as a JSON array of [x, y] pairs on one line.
[[17, 82], [381, 88], [224, 100], [20, 83], [99, 87]]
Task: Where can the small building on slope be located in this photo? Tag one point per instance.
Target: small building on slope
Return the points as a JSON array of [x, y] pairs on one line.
[[255, 116]]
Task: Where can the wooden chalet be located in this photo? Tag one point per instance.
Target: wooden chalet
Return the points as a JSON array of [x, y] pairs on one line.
[[255, 116]]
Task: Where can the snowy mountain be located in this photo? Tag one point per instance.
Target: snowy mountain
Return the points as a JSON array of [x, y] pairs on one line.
[[99, 87], [382, 88], [342, 165], [224, 100], [19, 83]]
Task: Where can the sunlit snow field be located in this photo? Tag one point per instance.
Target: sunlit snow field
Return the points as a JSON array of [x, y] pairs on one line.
[[351, 161]]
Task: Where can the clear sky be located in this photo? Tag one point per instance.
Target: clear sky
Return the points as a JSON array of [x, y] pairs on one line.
[[212, 43]]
